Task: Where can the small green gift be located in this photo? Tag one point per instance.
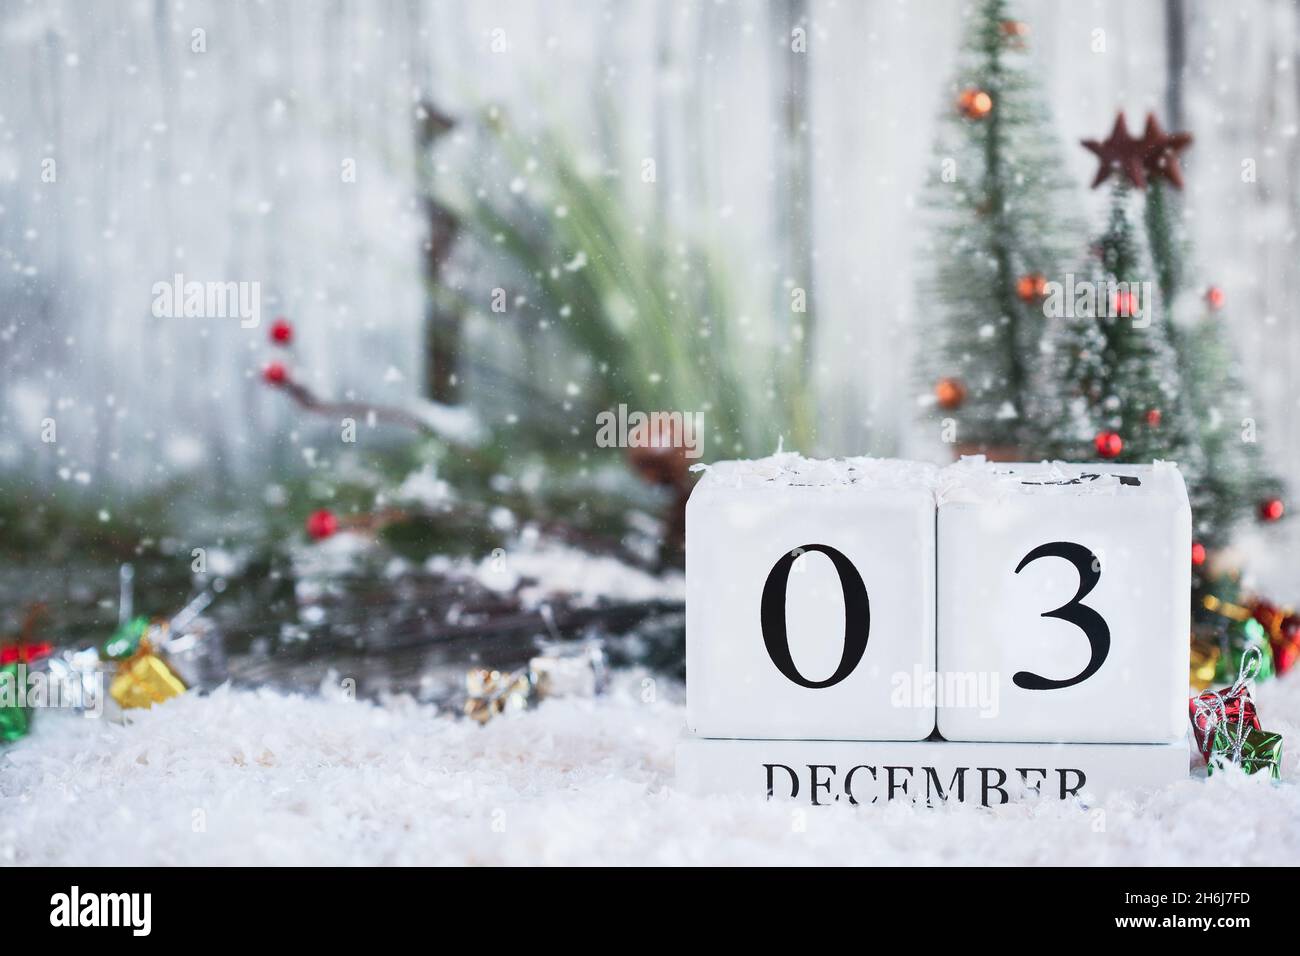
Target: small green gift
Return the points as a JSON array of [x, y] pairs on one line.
[[1252, 750], [125, 641], [15, 718]]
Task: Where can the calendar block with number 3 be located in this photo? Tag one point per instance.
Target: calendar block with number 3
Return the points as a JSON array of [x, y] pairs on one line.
[[1068, 586]]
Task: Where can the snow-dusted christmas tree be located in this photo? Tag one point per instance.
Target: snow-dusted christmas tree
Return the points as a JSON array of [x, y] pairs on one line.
[[1145, 387], [1001, 232], [1116, 390]]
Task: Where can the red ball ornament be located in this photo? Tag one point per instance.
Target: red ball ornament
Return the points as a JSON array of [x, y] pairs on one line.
[[322, 523], [275, 374], [1014, 28], [1125, 303], [1272, 509], [1198, 553], [1214, 297], [281, 331], [949, 393], [1153, 417], [1031, 287], [975, 103], [1108, 444]]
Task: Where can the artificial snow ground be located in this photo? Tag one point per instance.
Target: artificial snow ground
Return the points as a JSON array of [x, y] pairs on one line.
[[243, 777]]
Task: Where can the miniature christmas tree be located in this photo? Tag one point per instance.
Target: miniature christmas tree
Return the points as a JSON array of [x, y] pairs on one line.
[[1118, 393], [1151, 389], [1000, 236]]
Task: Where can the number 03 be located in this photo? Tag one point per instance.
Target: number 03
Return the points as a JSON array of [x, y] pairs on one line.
[[857, 615]]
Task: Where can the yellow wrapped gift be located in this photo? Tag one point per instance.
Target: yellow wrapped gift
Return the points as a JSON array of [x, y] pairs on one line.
[[144, 679]]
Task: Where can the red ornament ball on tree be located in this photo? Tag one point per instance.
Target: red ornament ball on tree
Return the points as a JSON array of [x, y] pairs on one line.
[[949, 393], [1108, 444], [1153, 417], [1272, 509], [1125, 303], [281, 331], [322, 523], [1214, 297], [1032, 287], [975, 103], [275, 373], [1198, 553]]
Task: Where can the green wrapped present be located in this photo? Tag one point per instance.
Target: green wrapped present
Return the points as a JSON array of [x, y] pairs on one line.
[[125, 640], [1254, 751], [15, 719]]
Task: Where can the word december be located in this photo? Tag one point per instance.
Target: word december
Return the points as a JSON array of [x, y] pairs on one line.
[[102, 909], [864, 783]]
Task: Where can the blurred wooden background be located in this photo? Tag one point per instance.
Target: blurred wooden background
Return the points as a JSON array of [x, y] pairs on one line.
[[225, 164]]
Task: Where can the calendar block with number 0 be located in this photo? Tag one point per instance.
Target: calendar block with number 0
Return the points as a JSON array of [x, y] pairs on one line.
[[1068, 587], [810, 594]]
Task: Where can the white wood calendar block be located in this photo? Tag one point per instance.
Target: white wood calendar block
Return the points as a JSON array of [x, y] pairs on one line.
[[1064, 602], [926, 773], [810, 599]]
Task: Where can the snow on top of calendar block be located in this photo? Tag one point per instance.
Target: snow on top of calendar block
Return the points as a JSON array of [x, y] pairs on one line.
[[792, 470], [974, 479]]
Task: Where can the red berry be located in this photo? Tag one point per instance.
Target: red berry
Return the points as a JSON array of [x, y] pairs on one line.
[[321, 524], [281, 331], [1125, 303], [1214, 297], [1153, 417], [275, 373], [1108, 444], [1198, 553], [1272, 509]]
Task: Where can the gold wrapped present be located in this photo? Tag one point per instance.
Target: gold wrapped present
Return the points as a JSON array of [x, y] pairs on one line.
[[144, 679], [489, 693]]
